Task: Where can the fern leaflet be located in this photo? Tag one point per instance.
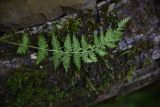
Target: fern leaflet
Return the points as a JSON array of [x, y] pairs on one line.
[[85, 48], [67, 55], [23, 47], [57, 54], [110, 39], [100, 49], [42, 53], [76, 56], [122, 24], [93, 57]]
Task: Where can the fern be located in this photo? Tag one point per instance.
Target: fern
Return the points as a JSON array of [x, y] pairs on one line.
[[100, 49], [57, 51], [23, 47], [92, 57], [79, 50], [85, 48], [118, 32], [67, 55], [42, 53], [111, 39], [76, 56], [122, 24]]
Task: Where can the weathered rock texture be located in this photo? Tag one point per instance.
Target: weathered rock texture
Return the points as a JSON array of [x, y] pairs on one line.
[[26, 13]]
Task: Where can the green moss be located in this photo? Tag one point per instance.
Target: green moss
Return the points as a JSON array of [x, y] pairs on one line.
[[31, 87]]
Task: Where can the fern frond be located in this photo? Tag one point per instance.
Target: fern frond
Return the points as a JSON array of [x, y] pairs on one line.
[[102, 52], [23, 47], [77, 49], [122, 23], [57, 54], [110, 39], [113, 36], [102, 42], [84, 43], [92, 57], [102, 39], [119, 31], [42, 53], [99, 48], [76, 56], [110, 35], [85, 47], [67, 55], [96, 39]]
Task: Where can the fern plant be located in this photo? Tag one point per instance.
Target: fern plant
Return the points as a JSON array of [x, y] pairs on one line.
[[73, 49]]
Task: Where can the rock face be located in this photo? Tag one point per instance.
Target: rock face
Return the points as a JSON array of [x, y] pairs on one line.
[[19, 14]]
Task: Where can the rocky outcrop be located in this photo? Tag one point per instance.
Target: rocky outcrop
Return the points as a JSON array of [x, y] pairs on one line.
[[142, 21], [17, 14]]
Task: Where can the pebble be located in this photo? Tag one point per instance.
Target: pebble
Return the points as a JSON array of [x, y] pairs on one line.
[[33, 56]]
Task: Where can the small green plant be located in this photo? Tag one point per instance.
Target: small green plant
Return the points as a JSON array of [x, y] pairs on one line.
[[73, 48]]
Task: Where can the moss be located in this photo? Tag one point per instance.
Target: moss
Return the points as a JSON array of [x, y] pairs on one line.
[[31, 87]]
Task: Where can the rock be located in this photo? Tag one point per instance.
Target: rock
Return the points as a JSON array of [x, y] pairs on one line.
[[18, 14]]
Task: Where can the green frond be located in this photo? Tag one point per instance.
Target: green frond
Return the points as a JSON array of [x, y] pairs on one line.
[[110, 44], [110, 35], [85, 47], [101, 52], [66, 61], [111, 38], [122, 23], [118, 35], [84, 43], [92, 57], [77, 49], [67, 55], [119, 31], [57, 54], [102, 39], [96, 39], [68, 44], [42, 53], [99, 48], [86, 58], [76, 56], [23, 47]]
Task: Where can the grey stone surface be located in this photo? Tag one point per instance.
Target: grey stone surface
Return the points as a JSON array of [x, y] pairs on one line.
[[17, 14]]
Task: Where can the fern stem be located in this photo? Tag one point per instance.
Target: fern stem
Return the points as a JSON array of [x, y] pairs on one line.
[[49, 50], [92, 49]]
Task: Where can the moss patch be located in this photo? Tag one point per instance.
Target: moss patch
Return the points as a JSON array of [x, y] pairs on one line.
[[31, 87]]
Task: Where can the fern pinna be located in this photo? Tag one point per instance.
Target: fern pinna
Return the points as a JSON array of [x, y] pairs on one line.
[[73, 49]]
